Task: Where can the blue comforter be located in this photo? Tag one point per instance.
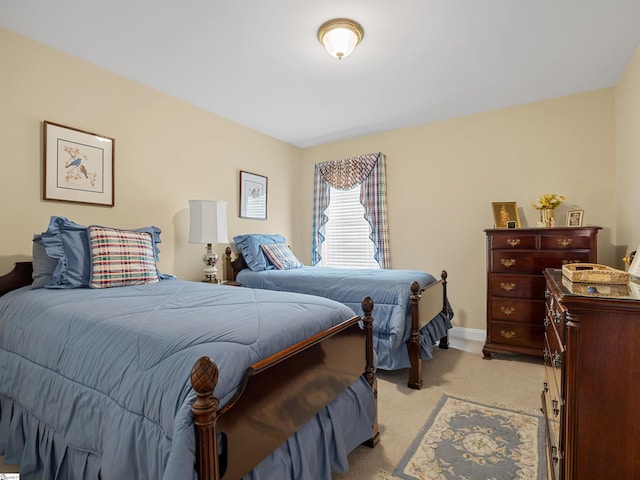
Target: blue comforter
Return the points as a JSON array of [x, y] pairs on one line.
[[391, 293], [95, 382]]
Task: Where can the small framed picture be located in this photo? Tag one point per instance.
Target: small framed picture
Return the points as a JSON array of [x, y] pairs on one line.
[[574, 218], [253, 196], [634, 268], [78, 166], [505, 215]]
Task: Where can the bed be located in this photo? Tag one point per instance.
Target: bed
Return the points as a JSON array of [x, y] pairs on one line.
[[412, 310], [175, 379]]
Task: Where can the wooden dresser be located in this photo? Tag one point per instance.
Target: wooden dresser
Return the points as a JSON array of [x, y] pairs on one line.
[[591, 391], [516, 259]]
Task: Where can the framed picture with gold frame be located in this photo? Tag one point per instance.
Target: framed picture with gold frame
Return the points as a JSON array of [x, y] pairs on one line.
[[504, 214]]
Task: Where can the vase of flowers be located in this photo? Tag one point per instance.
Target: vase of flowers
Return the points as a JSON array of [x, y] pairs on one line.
[[547, 204]]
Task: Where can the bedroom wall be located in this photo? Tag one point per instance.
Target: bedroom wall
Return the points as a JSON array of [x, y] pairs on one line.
[[627, 141], [443, 176], [166, 153]]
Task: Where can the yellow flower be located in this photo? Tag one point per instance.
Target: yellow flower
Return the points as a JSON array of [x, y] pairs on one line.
[[548, 201]]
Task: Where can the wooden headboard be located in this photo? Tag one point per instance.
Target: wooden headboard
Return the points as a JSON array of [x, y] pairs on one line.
[[232, 267], [20, 276]]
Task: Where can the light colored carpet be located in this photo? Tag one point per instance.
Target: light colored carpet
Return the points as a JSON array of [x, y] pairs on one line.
[[514, 381]]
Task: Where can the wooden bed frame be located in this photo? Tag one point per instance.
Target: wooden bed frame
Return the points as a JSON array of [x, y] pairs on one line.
[[278, 395], [426, 303]]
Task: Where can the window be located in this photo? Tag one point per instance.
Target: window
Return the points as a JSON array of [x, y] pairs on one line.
[[363, 178], [347, 242]]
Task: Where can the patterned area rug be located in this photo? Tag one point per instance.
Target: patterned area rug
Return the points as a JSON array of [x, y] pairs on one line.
[[468, 440]]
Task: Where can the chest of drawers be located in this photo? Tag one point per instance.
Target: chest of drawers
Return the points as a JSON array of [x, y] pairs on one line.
[[591, 389], [516, 259]]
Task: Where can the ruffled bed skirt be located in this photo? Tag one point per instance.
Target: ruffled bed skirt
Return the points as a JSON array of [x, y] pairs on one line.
[[390, 358], [318, 448]]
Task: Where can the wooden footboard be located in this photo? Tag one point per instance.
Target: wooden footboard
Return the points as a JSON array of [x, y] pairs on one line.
[[425, 305], [279, 395]]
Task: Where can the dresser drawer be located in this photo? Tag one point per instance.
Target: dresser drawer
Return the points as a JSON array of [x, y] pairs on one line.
[[518, 310], [515, 240], [564, 241], [534, 261], [520, 286], [518, 334]]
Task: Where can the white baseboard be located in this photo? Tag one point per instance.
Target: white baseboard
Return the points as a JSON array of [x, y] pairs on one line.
[[463, 333]]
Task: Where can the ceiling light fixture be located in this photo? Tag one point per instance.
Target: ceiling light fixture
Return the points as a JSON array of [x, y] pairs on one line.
[[340, 36]]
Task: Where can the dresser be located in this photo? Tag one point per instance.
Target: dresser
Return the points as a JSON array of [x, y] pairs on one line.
[[591, 390], [516, 259]]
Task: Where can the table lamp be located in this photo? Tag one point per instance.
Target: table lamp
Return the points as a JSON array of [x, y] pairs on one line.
[[208, 225]]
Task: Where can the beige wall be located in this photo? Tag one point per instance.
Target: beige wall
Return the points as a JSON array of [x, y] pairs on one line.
[[443, 176], [166, 152], [627, 142]]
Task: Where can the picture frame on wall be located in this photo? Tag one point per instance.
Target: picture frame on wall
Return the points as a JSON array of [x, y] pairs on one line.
[[253, 196], [505, 214], [78, 166], [574, 218]]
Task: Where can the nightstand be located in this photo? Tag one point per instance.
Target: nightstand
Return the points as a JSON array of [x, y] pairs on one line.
[[233, 284]]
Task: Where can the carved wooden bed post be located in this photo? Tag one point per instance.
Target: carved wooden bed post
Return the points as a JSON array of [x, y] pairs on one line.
[[444, 341], [204, 377], [413, 345], [370, 371]]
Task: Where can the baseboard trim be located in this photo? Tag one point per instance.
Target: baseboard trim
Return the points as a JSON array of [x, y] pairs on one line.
[[463, 333]]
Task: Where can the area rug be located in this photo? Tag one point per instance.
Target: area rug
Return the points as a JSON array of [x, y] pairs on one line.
[[468, 440]]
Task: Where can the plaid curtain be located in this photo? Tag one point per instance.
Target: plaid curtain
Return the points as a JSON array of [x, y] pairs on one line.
[[367, 171]]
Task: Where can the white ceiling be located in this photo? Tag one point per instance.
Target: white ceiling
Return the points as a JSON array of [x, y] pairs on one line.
[[259, 63]]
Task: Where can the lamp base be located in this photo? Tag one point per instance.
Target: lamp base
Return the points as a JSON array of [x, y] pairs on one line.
[[210, 261]]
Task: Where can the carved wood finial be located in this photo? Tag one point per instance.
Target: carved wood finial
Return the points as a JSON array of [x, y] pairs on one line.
[[204, 377]]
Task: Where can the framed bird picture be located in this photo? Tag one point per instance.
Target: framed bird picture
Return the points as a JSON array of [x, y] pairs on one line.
[[78, 166]]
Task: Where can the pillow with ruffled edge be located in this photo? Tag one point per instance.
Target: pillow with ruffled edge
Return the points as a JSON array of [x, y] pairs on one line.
[[249, 246], [43, 264], [121, 258], [68, 243], [281, 256]]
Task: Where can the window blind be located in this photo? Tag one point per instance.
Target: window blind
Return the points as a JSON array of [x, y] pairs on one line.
[[347, 243]]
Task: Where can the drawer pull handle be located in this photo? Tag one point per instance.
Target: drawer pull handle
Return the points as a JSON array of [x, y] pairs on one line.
[[558, 317], [564, 262], [564, 242], [546, 387], [546, 322], [546, 354], [555, 360], [508, 262], [514, 242], [508, 335], [507, 310], [507, 286]]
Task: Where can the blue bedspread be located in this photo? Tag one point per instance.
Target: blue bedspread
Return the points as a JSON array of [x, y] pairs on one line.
[[97, 380], [390, 290]]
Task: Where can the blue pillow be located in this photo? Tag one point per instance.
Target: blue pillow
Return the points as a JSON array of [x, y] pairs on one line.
[[68, 243], [249, 246], [43, 264]]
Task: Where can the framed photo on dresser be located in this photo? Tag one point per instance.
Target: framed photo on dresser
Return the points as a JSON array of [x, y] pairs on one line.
[[505, 214], [574, 218]]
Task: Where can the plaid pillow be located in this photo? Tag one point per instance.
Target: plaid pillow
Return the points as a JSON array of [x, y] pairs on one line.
[[280, 255], [121, 257]]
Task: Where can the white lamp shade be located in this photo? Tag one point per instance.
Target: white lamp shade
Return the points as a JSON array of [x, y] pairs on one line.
[[208, 221]]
